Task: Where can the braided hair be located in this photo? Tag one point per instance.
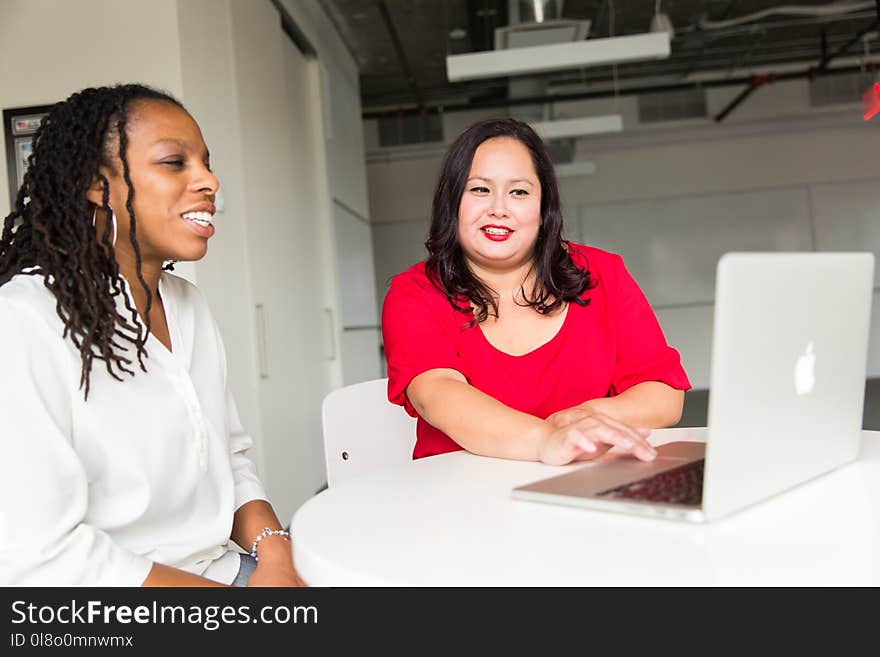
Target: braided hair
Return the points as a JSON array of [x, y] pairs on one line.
[[50, 231]]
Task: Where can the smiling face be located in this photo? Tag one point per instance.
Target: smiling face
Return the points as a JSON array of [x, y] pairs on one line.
[[173, 186], [500, 211]]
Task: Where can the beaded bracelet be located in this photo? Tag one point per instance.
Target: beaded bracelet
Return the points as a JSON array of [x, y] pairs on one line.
[[263, 534]]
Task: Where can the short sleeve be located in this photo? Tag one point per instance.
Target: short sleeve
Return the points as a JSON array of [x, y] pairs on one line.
[[416, 333], [642, 351]]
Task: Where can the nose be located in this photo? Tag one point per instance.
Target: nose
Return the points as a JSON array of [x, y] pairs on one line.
[[498, 207], [205, 181]]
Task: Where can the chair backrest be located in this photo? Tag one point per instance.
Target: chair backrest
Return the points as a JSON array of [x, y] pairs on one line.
[[363, 430]]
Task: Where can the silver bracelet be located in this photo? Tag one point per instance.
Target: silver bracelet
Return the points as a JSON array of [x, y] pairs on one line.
[[263, 534]]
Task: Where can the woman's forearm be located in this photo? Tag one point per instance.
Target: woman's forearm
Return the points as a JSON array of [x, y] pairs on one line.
[[249, 521], [479, 423], [652, 405]]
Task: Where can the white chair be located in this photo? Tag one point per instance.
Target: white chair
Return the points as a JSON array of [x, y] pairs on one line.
[[363, 430]]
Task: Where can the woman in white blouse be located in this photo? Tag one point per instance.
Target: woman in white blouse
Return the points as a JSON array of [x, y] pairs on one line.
[[125, 462]]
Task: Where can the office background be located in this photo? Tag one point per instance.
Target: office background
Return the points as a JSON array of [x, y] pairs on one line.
[[324, 198]]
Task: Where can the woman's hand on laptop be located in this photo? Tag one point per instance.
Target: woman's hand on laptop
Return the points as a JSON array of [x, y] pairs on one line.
[[580, 434]]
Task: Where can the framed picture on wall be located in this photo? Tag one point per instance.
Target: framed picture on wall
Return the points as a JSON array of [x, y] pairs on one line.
[[19, 126]]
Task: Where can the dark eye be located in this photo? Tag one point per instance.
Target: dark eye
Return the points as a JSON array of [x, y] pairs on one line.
[[519, 192], [480, 190]]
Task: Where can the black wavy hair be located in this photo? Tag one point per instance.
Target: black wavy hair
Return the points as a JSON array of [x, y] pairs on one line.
[[557, 278], [49, 232]]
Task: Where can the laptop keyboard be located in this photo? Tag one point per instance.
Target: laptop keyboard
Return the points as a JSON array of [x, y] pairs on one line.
[[681, 485]]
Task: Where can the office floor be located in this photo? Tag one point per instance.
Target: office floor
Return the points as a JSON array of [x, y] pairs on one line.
[[696, 404]]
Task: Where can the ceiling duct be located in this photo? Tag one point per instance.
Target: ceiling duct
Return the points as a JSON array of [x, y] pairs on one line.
[[839, 89], [538, 23]]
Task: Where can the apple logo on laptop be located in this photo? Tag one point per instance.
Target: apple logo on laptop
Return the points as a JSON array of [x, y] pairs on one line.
[[804, 371]]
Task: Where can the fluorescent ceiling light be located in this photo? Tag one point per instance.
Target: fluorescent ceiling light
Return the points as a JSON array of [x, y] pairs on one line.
[[539, 10], [557, 56], [576, 168], [592, 125]]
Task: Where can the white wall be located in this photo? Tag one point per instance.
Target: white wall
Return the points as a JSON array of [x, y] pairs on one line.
[[51, 49], [672, 198], [672, 245]]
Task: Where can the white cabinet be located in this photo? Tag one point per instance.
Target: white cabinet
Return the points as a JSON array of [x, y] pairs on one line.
[[284, 262], [360, 339]]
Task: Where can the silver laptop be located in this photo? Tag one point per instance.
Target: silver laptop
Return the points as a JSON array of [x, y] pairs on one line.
[[789, 354]]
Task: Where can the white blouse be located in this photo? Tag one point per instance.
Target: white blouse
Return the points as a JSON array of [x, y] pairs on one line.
[[149, 469]]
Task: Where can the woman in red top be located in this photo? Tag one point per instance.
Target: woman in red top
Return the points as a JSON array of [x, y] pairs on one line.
[[510, 341]]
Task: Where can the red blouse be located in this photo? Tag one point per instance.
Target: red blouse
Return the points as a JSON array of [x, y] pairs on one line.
[[601, 349]]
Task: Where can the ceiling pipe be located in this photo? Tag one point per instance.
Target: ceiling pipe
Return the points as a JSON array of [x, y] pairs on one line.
[[823, 63], [588, 95], [820, 69], [834, 8], [401, 55], [755, 82]]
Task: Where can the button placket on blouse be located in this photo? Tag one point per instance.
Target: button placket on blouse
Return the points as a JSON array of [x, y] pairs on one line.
[[184, 386]]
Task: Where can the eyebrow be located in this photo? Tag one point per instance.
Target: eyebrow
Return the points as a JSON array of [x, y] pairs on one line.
[[514, 181], [181, 143]]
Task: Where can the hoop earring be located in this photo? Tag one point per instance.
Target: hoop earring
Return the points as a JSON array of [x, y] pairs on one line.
[[112, 219]]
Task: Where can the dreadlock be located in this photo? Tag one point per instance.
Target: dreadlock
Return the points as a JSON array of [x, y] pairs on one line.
[[50, 231]]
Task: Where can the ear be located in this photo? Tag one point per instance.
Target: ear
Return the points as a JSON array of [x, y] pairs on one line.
[[95, 192]]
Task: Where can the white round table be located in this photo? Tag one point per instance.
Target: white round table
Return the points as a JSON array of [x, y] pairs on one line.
[[450, 520]]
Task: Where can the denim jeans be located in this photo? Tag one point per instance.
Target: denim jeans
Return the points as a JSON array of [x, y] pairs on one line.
[[247, 568]]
